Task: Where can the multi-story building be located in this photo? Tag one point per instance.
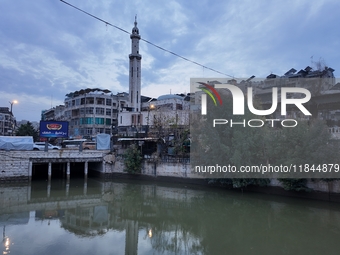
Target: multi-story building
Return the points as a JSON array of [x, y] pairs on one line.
[[93, 111], [55, 113], [320, 82], [7, 121]]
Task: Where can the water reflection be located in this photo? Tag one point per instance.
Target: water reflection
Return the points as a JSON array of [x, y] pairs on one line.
[[92, 217]]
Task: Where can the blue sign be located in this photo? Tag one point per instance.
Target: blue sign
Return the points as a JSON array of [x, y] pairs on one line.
[[54, 129]]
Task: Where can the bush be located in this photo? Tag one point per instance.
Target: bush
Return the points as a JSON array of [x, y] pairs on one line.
[[132, 160], [295, 184]]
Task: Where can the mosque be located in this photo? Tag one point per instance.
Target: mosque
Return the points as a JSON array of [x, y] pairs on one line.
[[143, 111], [93, 111]]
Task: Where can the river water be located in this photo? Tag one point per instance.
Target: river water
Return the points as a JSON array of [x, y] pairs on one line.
[[130, 217]]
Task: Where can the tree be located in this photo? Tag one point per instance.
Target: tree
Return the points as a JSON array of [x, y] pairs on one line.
[[171, 127], [227, 144], [27, 130], [308, 143], [132, 160]]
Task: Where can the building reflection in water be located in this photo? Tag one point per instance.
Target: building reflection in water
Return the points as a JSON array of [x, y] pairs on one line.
[[92, 209], [154, 219]]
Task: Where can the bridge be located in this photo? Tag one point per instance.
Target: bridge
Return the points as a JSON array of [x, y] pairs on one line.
[[22, 164]]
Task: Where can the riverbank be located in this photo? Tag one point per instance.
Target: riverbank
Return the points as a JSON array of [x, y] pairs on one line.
[[20, 166], [273, 187]]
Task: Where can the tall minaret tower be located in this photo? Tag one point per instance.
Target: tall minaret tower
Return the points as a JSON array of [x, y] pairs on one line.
[[135, 70]]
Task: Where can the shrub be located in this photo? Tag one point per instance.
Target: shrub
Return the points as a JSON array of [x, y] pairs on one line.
[[132, 160]]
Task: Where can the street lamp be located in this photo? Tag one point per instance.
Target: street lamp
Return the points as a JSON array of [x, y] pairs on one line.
[[13, 102], [151, 107]]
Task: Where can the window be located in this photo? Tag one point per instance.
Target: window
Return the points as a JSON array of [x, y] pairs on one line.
[[90, 100], [68, 114], [88, 131], [100, 100], [108, 102], [107, 121], [100, 130], [89, 110], [83, 121], [100, 111], [108, 112], [179, 107], [75, 113], [99, 121]]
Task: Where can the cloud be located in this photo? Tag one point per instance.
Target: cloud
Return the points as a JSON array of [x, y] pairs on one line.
[[49, 48]]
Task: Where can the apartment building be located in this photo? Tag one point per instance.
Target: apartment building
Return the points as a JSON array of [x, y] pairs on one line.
[[7, 121], [93, 111]]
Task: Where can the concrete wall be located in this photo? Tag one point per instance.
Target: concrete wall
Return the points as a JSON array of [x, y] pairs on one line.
[[171, 169], [16, 165], [182, 170]]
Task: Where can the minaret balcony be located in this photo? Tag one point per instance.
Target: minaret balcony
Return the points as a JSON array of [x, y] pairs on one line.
[[137, 56]]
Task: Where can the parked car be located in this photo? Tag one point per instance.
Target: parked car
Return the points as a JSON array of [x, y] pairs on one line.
[[72, 143], [40, 146], [89, 145]]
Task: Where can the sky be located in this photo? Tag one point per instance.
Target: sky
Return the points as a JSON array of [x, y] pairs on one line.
[[49, 49]]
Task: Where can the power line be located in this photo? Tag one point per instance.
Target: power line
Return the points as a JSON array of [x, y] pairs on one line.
[[155, 45]]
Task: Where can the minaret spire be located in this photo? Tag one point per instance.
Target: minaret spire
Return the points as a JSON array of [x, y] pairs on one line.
[[135, 70]]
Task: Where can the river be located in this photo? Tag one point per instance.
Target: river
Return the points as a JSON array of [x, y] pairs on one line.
[[131, 217]]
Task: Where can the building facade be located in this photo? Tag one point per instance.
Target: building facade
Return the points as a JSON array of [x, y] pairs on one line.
[[7, 122], [93, 111]]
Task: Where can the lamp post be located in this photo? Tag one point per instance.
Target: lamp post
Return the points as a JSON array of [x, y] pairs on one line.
[[150, 108], [11, 103]]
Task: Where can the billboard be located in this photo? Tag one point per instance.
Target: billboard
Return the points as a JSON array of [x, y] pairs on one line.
[[53, 129]]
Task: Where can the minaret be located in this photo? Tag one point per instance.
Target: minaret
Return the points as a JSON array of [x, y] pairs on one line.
[[135, 70]]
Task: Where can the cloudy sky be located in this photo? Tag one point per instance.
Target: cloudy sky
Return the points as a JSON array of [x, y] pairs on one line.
[[48, 49]]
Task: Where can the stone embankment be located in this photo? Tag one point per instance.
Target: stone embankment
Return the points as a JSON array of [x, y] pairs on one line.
[[18, 165]]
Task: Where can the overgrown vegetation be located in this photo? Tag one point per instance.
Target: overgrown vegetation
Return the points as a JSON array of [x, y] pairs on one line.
[[294, 184], [308, 142], [132, 160], [27, 130]]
